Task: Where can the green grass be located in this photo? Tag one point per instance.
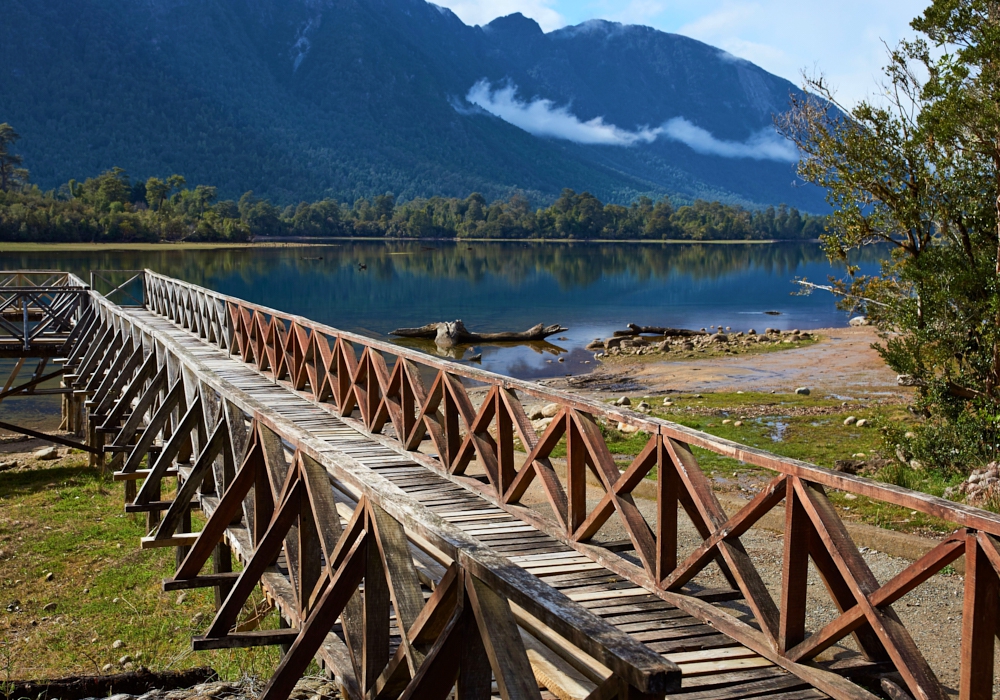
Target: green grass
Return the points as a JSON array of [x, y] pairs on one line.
[[807, 428], [67, 520]]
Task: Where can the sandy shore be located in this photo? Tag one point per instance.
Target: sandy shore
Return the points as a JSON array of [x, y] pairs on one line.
[[842, 363]]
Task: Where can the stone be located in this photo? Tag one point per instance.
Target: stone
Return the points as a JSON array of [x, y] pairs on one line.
[[643, 406], [124, 660], [627, 429], [751, 332], [623, 401], [803, 391], [611, 343], [668, 402], [848, 466], [858, 321], [118, 644], [720, 338], [541, 425], [46, 453], [850, 420], [106, 667], [596, 345], [727, 421], [181, 598], [4, 466], [550, 409], [738, 424], [535, 414], [770, 331], [50, 607], [687, 345], [861, 423], [50, 576], [859, 455], [910, 435]]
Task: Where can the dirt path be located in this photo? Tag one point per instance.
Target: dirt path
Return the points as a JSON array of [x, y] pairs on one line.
[[841, 363]]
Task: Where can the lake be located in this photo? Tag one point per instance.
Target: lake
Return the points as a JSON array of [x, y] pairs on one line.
[[593, 289]]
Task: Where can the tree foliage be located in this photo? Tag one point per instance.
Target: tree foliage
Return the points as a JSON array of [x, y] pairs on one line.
[[110, 207], [919, 169], [12, 175]]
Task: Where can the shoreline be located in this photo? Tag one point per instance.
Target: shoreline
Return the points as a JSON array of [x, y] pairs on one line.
[[841, 362], [26, 247]]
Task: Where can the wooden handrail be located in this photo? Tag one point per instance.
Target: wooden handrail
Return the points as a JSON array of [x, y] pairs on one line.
[[957, 513]]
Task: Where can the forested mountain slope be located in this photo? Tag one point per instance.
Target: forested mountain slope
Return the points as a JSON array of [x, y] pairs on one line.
[[304, 99]]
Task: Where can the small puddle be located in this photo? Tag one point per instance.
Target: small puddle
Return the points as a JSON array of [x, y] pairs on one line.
[[778, 429]]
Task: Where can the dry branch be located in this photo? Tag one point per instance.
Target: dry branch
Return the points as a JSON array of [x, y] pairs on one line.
[[634, 329]]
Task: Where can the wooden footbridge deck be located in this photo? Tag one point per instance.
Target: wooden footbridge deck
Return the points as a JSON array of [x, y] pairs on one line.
[[387, 515]]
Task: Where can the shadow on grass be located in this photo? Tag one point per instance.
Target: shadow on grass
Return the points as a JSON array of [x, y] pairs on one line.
[[15, 484]]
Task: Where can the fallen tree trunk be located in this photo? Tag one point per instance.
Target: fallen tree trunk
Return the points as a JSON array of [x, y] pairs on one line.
[[449, 333], [633, 329], [133, 683]]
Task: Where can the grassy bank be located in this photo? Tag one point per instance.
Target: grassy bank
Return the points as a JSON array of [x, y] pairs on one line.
[[64, 519], [808, 428], [84, 247]]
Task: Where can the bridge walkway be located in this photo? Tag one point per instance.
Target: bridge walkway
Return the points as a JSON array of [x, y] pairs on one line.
[[713, 665]]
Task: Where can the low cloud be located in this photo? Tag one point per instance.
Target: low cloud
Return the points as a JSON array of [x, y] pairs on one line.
[[764, 145], [542, 117]]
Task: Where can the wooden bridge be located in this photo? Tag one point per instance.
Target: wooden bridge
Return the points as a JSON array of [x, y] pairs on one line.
[[387, 515]]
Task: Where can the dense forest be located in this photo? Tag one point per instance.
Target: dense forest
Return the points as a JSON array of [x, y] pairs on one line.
[[111, 208], [301, 99]]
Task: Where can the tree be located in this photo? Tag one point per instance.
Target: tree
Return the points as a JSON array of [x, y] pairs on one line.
[[156, 192], [11, 173], [921, 173]]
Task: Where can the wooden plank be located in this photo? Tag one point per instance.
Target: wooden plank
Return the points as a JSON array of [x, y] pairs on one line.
[[242, 640], [980, 617], [185, 539], [502, 640]]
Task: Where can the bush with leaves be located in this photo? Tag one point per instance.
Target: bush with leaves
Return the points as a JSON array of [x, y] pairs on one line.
[[919, 169]]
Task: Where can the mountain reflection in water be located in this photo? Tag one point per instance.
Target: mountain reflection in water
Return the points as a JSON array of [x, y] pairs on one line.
[[372, 287]]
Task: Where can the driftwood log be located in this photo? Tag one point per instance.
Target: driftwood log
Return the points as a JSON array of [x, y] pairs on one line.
[[633, 329], [133, 683], [447, 334]]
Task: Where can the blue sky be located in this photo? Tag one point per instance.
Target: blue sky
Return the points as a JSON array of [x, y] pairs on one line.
[[843, 39]]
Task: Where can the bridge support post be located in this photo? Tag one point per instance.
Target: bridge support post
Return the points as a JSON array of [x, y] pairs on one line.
[[184, 526], [222, 563]]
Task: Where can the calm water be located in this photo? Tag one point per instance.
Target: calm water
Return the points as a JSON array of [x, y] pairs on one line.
[[592, 289]]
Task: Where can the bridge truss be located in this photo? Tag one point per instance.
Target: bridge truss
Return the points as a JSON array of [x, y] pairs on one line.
[[383, 510]]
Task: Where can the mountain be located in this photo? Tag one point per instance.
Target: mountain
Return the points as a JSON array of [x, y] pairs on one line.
[[302, 99]]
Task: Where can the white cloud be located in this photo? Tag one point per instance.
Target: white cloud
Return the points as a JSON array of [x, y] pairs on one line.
[[764, 145], [841, 39], [542, 117]]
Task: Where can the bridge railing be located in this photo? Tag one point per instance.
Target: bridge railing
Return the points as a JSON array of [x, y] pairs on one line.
[[39, 310], [271, 488], [382, 388]]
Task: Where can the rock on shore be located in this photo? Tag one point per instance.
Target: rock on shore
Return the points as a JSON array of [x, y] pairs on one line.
[[725, 342]]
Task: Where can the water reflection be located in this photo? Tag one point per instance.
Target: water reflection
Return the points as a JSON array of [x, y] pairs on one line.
[[373, 287]]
